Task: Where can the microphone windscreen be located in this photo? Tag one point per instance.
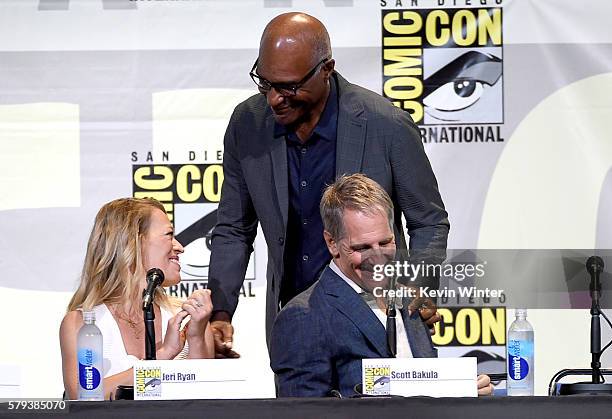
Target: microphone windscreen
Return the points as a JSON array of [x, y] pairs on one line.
[[594, 264], [156, 275]]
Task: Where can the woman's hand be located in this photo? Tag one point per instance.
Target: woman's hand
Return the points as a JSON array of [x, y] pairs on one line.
[[174, 341], [199, 306]]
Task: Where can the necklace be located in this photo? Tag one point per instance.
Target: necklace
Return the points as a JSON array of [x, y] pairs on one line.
[[131, 322], [134, 326]]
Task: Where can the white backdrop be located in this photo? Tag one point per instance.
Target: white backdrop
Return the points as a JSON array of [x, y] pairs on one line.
[[94, 90]]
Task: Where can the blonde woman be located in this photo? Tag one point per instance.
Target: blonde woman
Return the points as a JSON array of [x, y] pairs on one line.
[[129, 237]]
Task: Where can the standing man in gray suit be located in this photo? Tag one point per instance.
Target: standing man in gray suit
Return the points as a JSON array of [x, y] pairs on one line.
[[283, 146]]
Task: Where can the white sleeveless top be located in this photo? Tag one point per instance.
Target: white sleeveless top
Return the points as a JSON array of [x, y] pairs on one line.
[[116, 358]]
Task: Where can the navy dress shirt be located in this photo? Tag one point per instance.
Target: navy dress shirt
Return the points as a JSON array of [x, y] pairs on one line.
[[312, 166]]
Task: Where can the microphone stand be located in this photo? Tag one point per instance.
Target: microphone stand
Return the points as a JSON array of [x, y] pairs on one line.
[[149, 322], [391, 325], [124, 392], [595, 328], [594, 266], [155, 277]]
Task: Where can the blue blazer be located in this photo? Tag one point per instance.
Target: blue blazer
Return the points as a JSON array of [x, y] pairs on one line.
[[320, 337]]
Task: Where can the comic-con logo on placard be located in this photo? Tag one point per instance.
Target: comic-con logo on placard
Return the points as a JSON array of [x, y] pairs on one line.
[[190, 194], [445, 67], [148, 382], [377, 380]]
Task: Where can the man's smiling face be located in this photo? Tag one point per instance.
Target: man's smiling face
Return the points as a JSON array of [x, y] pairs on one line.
[[368, 240]]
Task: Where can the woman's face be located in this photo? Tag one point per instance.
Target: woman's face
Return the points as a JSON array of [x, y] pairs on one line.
[[161, 250]]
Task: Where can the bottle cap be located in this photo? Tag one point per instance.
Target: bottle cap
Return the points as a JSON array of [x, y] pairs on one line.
[[89, 317], [520, 312]]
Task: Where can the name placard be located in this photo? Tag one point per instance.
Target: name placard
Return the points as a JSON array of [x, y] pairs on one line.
[[434, 377], [190, 379]]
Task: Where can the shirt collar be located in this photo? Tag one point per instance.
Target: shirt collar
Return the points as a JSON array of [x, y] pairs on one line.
[[399, 303], [327, 127], [336, 269]]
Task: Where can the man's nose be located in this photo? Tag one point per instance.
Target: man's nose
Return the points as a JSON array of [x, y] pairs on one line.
[[379, 254], [274, 98]]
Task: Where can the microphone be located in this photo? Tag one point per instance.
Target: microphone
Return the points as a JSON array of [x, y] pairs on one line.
[[595, 266], [155, 277]]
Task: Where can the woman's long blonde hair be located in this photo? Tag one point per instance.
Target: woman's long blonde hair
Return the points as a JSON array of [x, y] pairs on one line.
[[113, 269]]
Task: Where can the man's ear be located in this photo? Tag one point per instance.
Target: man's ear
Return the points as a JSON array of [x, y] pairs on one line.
[[329, 68], [332, 245]]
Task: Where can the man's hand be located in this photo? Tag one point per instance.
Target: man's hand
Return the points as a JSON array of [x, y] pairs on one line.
[[428, 311], [223, 333], [485, 388]]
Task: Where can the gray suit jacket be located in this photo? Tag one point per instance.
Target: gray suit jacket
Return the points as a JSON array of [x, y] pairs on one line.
[[320, 337], [374, 137]]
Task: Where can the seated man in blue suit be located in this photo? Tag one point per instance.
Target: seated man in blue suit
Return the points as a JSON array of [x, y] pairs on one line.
[[320, 337]]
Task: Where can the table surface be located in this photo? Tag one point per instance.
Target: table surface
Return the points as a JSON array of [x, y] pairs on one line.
[[413, 407]]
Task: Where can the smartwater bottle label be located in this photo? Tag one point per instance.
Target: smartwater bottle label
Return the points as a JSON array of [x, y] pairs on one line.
[[518, 351], [89, 376]]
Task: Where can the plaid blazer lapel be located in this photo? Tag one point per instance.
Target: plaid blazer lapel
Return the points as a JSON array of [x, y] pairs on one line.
[[418, 335], [353, 307]]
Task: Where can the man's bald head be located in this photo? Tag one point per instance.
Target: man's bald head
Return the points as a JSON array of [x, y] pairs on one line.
[[295, 52], [296, 34]]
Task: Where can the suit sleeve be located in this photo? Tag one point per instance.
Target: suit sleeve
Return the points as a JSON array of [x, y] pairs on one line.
[[299, 355], [416, 190], [234, 233]]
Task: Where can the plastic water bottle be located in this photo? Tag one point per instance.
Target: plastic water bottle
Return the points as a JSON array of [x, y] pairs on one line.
[[520, 356], [89, 354]]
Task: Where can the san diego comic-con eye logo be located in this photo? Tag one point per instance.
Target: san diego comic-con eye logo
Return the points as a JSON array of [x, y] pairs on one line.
[[445, 67], [376, 380], [190, 194], [148, 382], [465, 90]]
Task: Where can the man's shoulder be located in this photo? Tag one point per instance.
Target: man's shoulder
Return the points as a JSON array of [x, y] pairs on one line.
[[310, 303], [307, 302], [374, 107], [254, 108]]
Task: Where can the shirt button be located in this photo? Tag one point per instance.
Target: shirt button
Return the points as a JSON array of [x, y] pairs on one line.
[[305, 258], [305, 221], [303, 150], [281, 240], [303, 184]]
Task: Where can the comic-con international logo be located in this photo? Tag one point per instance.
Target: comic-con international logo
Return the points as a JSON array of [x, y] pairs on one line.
[[444, 66], [471, 326], [377, 380], [478, 332], [148, 382], [190, 194]]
